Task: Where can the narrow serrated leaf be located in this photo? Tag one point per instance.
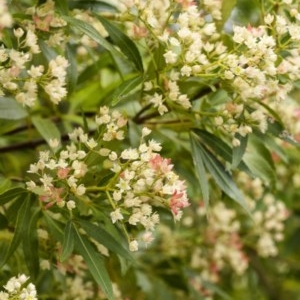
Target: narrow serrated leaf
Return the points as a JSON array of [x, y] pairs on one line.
[[23, 218], [10, 109], [46, 128], [105, 238], [126, 45], [220, 175], [127, 87], [220, 148], [94, 262], [200, 170], [31, 244], [68, 244]]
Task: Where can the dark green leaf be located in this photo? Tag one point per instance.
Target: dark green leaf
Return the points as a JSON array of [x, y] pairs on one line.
[[105, 238], [46, 128], [94, 5], [23, 218], [68, 244], [12, 194], [239, 151], [126, 45], [199, 167], [219, 173], [3, 222], [219, 147], [30, 244], [94, 262], [10, 109], [90, 31], [126, 88]]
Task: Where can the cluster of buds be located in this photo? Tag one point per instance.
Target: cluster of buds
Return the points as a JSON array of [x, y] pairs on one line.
[[142, 178], [19, 288]]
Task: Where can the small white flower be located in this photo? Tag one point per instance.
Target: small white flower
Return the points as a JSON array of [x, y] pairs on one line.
[[133, 246], [116, 215]]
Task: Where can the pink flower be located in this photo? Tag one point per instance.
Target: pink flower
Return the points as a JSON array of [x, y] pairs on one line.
[[178, 201]]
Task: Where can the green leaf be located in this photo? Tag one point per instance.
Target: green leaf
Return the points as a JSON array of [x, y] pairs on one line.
[[10, 109], [127, 87], [94, 5], [68, 244], [12, 194], [46, 128], [23, 219], [126, 45], [219, 173], [219, 147], [55, 227], [94, 262], [90, 31], [62, 6], [72, 73], [47, 52], [227, 7], [5, 184], [199, 167], [259, 160], [105, 238], [3, 222], [30, 243], [238, 152]]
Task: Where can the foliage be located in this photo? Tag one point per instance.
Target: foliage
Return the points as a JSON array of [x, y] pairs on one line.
[[149, 149]]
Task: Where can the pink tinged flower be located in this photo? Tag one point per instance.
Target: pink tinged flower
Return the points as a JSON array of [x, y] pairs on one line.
[[178, 201], [62, 173], [159, 163]]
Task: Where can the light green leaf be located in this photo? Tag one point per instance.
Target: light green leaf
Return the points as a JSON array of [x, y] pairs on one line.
[[94, 262], [199, 167], [62, 6], [12, 194], [105, 238], [68, 244], [46, 128], [10, 109], [127, 87], [23, 218], [125, 44], [220, 175], [30, 243], [238, 152], [227, 7]]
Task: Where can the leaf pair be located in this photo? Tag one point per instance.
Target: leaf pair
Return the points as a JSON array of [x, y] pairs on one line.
[[205, 160]]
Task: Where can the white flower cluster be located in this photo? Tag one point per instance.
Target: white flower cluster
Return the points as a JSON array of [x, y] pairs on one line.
[[145, 179], [260, 65], [223, 234], [62, 174], [142, 178], [19, 288], [269, 225]]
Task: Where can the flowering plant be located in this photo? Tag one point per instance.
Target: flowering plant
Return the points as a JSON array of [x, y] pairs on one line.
[[127, 127]]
